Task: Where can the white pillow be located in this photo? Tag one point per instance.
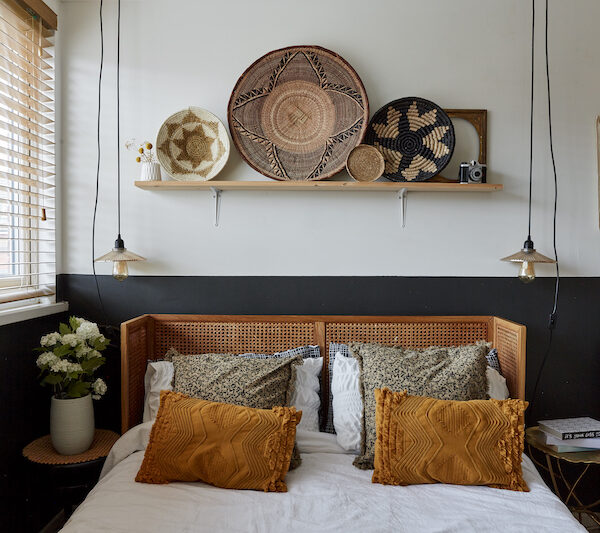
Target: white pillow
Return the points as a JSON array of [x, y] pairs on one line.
[[348, 405], [346, 402], [497, 388], [306, 397], [159, 376]]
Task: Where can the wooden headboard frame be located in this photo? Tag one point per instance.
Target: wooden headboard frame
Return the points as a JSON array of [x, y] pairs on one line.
[[150, 336]]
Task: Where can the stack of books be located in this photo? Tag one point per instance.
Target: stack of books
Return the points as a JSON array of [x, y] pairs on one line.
[[571, 434]]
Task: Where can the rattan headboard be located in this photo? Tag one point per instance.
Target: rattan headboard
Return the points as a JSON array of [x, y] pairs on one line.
[[150, 336]]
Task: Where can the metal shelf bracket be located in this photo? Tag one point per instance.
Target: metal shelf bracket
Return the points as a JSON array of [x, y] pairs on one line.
[[402, 196], [217, 196]]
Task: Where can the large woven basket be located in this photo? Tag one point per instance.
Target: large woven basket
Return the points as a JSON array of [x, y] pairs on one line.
[[296, 113], [415, 137]]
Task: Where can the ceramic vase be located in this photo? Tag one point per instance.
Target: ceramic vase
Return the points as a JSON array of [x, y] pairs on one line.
[[72, 424], [150, 172]]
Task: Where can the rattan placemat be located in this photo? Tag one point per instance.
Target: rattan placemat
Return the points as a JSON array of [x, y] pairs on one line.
[[42, 451], [296, 113]]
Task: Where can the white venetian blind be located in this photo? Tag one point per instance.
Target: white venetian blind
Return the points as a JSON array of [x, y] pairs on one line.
[[27, 172]]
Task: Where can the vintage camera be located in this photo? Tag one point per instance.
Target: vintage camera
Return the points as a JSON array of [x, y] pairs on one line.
[[472, 172]]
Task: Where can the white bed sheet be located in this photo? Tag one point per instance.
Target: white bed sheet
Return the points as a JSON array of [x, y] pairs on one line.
[[325, 494]]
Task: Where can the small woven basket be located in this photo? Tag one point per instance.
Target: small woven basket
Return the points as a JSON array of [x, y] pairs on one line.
[[365, 163]]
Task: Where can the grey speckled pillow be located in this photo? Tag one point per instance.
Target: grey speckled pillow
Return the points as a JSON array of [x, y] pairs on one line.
[[445, 373], [258, 383]]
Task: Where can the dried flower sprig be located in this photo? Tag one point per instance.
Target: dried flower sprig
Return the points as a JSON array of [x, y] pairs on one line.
[[144, 149]]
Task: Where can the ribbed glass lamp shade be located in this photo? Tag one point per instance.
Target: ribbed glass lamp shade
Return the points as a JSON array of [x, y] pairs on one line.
[[119, 256], [528, 256]]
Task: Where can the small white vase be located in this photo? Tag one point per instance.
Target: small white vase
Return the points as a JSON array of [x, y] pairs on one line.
[[150, 172], [72, 424]]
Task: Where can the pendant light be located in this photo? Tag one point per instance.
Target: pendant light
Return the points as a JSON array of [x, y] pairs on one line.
[[528, 255], [119, 255]]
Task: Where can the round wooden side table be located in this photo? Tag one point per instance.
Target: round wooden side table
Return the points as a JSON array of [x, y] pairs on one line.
[[73, 476], [554, 460]]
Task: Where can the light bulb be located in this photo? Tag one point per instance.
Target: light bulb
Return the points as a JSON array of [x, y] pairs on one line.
[[527, 272], [120, 271]]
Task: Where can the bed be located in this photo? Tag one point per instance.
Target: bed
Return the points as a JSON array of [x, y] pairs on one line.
[[326, 493]]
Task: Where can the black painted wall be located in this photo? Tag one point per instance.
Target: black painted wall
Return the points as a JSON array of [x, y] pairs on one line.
[[570, 383], [24, 416]]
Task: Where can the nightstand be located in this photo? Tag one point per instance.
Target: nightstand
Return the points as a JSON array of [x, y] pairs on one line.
[[586, 462], [73, 476]]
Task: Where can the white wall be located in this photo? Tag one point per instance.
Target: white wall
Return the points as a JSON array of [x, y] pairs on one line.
[[460, 54]]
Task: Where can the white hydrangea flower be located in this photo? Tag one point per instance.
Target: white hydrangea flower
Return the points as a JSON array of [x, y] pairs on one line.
[[75, 367], [88, 331], [50, 340], [45, 359], [83, 350], [60, 365], [71, 339], [99, 388]]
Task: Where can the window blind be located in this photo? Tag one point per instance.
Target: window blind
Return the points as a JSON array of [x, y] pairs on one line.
[[27, 171]]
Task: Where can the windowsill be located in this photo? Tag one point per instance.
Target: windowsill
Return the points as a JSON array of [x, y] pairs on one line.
[[10, 316]]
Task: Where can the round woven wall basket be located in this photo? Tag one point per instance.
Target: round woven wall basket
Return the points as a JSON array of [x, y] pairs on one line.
[[296, 113], [415, 137], [192, 145], [365, 163]]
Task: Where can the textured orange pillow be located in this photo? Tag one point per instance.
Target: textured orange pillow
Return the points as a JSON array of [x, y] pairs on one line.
[[228, 446], [424, 440]]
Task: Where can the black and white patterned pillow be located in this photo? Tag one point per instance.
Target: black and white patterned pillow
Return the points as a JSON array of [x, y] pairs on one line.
[[310, 351], [493, 361]]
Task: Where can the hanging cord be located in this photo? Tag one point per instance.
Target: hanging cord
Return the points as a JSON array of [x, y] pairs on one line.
[[531, 113], [98, 167], [552, 319], [118, 118]]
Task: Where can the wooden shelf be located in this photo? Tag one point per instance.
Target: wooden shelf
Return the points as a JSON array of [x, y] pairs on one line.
[[317, 186]]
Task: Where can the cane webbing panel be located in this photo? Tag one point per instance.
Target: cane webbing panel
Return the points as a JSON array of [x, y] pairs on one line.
[[507, 344], [133, 367], [230, 337], [409, 334]]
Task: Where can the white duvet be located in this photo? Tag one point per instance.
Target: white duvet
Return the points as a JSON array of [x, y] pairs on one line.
[[326, 493]]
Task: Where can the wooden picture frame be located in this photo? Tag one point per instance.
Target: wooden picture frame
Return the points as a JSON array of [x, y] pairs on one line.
[[478, 119]]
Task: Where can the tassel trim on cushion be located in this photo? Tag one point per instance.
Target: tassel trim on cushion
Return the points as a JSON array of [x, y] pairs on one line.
[[279, 447]]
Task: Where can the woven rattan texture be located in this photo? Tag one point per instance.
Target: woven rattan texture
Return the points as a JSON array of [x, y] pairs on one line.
[[507, 344], [230, 337], [138, 348], [42, 451], [296, 113], [415, 137], [409, 334]]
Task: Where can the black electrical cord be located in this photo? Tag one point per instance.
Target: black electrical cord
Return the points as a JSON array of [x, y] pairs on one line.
[[119, 118], [552, 319], [531, 114], [98, 166]]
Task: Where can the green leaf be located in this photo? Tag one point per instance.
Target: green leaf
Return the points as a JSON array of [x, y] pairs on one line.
[[77, 389], [73, 322], [52, 379], [63, 329], [89, 365], [61, 351]]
